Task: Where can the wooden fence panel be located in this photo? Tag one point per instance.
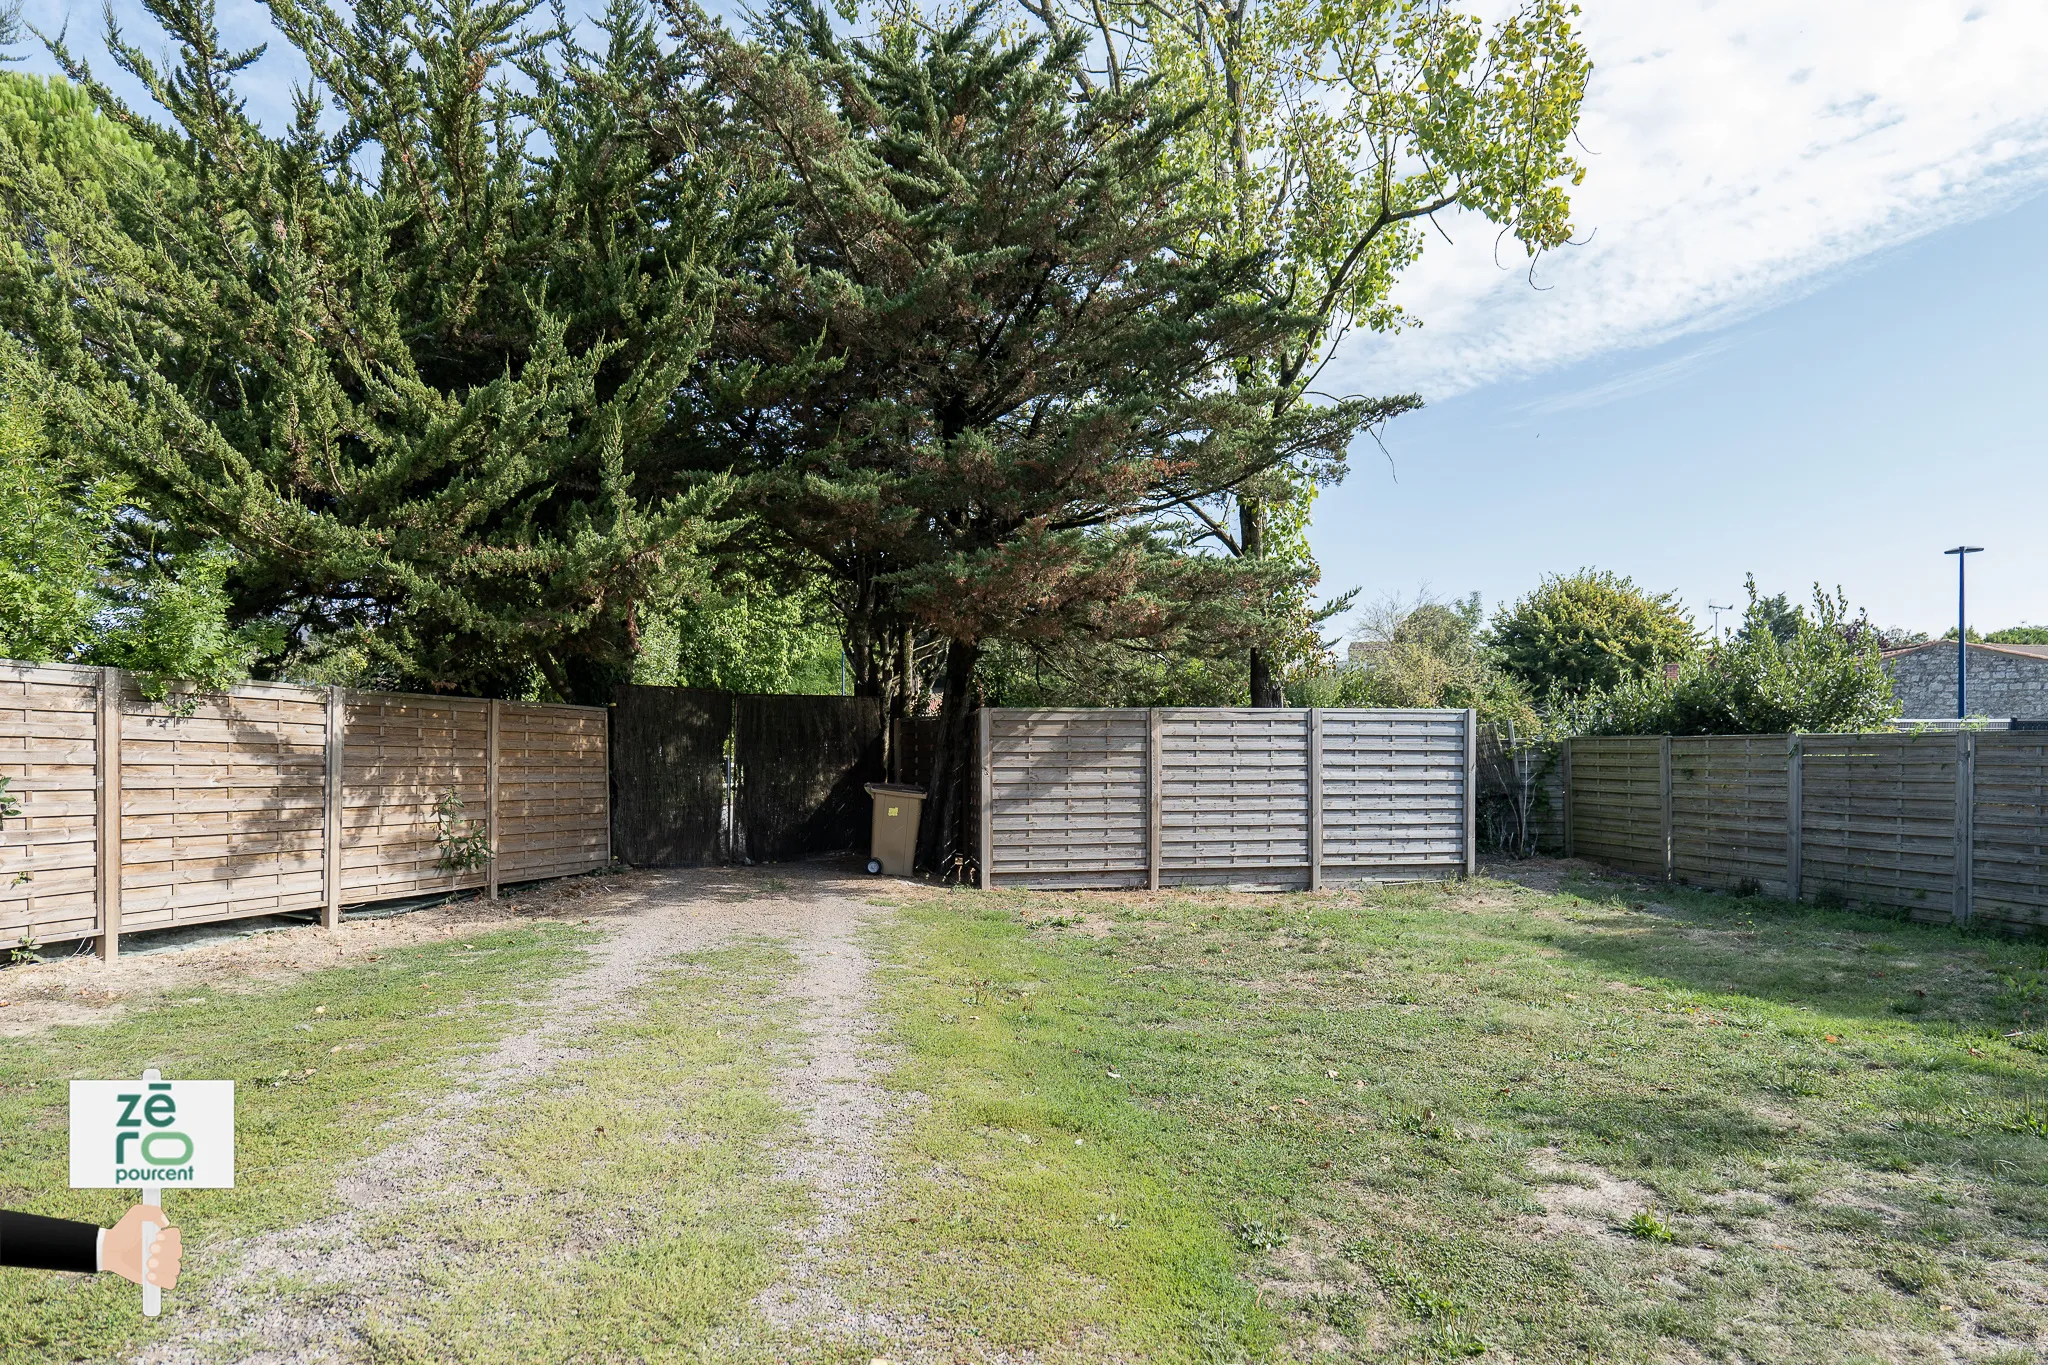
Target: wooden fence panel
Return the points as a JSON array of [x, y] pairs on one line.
[[1617, 802], [1728, 805], [1068, 798], [223, 806], [49, 854], [554, 791], [238, 804], [1879, 820], [1234, 797], [2010, 828], [1393, 793], [401, 756], [1243, 797]]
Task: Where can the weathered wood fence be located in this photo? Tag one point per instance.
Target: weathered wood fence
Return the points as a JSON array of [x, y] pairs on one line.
[[1274, 799], [1950, 827], [136, 815]]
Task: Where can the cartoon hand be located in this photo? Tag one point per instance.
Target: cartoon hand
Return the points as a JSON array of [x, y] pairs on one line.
[[122, 1250]]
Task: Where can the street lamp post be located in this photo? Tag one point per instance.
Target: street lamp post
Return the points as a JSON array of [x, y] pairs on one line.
[[1962, 554]]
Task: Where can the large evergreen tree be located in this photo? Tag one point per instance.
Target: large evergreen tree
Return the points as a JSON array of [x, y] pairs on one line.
[[417, 359], [979, 354]]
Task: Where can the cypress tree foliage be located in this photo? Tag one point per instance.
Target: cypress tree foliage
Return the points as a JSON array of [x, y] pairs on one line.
[[981, 364], [421, 371]]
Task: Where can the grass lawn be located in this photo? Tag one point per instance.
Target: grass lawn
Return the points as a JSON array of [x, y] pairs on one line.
[[318, 1066], [1600, 1122], [1475, 1121]]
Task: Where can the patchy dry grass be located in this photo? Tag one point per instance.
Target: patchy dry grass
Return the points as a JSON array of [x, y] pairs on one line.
[[1583, 1120], [319, 1064], [1472, 1121]]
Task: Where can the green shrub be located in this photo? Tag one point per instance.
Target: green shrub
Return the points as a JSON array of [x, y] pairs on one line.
[[1823, 674], [1588, 632]]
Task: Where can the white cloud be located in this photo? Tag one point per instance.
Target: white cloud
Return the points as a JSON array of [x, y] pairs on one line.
[[1738, 151]]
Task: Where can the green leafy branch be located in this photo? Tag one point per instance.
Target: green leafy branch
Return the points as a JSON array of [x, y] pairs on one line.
[[463, 849]]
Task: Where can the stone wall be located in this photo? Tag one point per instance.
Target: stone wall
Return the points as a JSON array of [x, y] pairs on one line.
[[2001, 684]]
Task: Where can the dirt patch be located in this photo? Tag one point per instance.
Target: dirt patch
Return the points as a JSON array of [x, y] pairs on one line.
[[78, 988], [1581, 1200]]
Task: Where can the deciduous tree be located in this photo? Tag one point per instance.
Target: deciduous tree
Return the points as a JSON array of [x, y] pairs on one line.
[[1331, 133], [1577, 633]]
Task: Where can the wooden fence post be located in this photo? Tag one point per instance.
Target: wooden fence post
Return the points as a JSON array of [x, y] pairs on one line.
[[988, 797], [1664, 798], [107, 811], [331, 841], [491, 795], [1155, 802], [1315, 798], [1564, 786], [1966, 833], [1795, 813], [1471, 792]]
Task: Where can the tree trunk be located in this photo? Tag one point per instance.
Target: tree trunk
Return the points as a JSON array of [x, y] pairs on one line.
[[1251, 526], [945, 805], [899, 699]]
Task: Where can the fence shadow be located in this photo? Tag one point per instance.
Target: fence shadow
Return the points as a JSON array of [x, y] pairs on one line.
[[1851, 963]]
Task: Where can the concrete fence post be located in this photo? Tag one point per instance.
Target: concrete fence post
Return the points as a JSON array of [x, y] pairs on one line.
[[491, 798], [1564, 789], [986, 738], [1471, 792], [1154, 797]]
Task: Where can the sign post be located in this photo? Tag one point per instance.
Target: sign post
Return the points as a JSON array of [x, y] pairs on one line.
[[149, 1134]]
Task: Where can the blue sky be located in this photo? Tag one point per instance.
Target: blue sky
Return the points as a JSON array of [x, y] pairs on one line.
[[1802, 336], [1846, 437]]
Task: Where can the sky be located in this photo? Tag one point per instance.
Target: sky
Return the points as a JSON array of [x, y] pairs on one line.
[[1801, 334]]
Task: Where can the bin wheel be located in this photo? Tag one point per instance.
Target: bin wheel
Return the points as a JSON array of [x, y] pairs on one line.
[[874, 866]]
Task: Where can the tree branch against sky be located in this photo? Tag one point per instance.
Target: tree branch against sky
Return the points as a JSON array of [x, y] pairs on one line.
[[1332, 132]]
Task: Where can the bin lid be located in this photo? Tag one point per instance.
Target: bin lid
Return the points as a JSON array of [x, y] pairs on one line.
[[894, 789]]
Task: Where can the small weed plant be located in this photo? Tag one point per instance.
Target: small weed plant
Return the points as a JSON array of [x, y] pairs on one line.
[[465, 846], [1647, 1226]]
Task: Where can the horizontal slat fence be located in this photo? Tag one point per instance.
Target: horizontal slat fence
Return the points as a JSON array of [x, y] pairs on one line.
[[1948, 827], [1728, 810], [1613, 782], [138, 815], [1210, 796]]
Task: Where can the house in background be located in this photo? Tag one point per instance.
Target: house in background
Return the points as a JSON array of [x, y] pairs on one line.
[[2006, 681]]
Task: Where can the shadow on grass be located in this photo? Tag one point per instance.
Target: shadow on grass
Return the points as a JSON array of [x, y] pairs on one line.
[[1852, 964]]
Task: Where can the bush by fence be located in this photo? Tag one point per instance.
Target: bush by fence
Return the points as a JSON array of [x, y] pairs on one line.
[[1949, 827], [142, 815]]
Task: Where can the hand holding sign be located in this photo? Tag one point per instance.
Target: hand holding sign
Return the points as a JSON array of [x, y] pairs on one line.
[[150, 1134], [122, 1252]]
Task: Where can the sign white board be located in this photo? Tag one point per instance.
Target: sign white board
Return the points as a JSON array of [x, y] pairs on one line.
[[152, 1133]]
